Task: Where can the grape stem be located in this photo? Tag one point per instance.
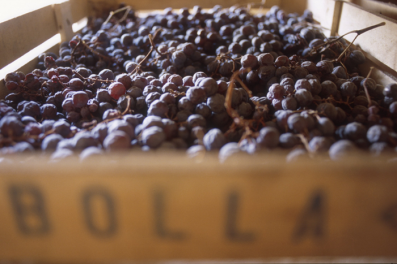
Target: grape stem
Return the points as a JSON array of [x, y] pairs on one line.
[[153, 47], [365, 87], [112, 13], [358, 32], [92, 50]]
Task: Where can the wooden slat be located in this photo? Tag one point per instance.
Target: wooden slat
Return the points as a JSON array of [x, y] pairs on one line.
[[64, 20], [162, 207], [325, 12], [380, 43], [294, 6], [381, 73], [385, 8], [336, 17], [21, 34], [79, 9], [159, 4]]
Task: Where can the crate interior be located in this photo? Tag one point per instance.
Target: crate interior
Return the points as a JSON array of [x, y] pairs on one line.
[[367, 187], [336, 17]]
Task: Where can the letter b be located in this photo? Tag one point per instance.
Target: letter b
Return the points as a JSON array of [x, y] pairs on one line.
[[28, 205]]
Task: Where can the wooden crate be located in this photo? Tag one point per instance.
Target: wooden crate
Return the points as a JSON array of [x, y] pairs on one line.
[[252, 208]]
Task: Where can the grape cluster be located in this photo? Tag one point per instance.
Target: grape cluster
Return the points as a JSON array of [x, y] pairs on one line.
[[221, 79]]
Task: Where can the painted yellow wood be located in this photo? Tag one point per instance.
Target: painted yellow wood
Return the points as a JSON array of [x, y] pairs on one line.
[[166, 207]]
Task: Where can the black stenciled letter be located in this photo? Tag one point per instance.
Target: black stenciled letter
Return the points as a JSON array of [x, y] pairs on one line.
[[28, 205], [104, 196], [232, 232], [390, 216], [159, 217], [313, 218]]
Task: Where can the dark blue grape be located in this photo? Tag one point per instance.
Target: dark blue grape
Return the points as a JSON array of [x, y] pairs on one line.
[[268, 137], [228, 151], [152, 121], [117, 141], [106, 74], [289, 103], [121, 125], [33, 129], [203, 110], [354, 131], [31, 109], [326, 126], [289, 140], [245, 110], [196, 120], [380, 148], [391, 90], [297, 123], [341, 149], [50, 143], [61, 154], [153, 136], [348, 89], [195, 151], [214, 139], [377, 133], [84, 140], [90, 152], [328, 110], [185, 104], [328, 88], [62, 128], [100, 132], [196, 94], [11, 127], [319, 144], [303, 97], [47, 125], [216, 103], [170, 128], [158, 108]]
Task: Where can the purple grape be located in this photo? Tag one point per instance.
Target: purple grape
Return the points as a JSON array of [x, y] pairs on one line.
[[268, 137], [90, 152], [377, 133], [117, 141], [50, 143], [158, 108], [153, 136], [116, 89], [303, 97], [196, 95], [228, 151], [62, 128], [289, 140], [214, 139], [319, 144], [121, 125], [341, 149], [11, 127]]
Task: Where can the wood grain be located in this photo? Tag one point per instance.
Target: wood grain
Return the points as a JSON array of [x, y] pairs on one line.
[[180, 209], [23, 33], [79, 9], [158, 4], [380, 42], [64, 20], [385, 8]]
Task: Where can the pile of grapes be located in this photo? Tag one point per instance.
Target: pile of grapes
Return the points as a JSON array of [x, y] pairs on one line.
[[221, 79]]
